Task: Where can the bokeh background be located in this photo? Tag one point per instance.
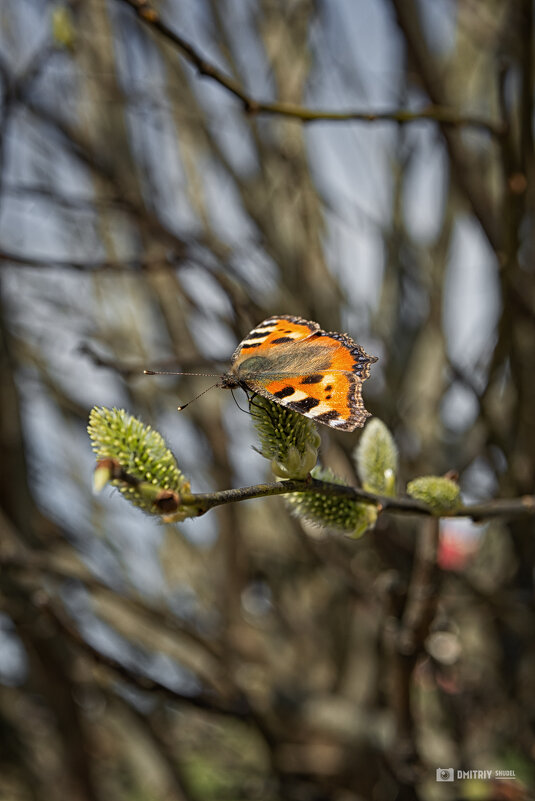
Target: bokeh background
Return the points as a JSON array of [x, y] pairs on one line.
[[150, 218]]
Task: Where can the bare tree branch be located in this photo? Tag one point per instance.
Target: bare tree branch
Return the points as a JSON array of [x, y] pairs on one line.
[[435, 113]]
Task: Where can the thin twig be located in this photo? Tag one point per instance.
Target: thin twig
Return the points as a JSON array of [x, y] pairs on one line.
[[418, 614], [209, 701], [512, 507], [423, 590], [440, 114], [95, 265], [41, 566], [429, 71]]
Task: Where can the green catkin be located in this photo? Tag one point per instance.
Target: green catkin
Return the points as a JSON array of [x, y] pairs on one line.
[[140, 451], [442, 495], [332, 511], [288, 439], [376, 458]]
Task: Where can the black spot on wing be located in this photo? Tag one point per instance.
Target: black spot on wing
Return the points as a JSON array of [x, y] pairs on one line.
[[285, 392], [328, 388], [304, 405], [312, 379], [326, 416], [252, 345], [280, 340], [261, 335]]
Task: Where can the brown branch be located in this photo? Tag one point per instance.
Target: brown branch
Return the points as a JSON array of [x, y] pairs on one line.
[[209, 500], [420, 607], [83, 150], [468, 179], [435, 113], [209, 701], [514, 507], [97, 265], [38, 566], [527, 60], [200, 503], [423, 590], [184, 789], [68, 201], [199, 365], [13, 86]]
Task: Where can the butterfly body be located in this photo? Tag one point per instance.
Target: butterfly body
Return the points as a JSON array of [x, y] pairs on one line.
[[294, 362]]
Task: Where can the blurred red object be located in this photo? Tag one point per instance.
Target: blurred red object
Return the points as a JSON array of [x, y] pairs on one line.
[[457, 545]]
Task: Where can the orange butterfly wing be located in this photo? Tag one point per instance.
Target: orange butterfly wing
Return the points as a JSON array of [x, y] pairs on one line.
[[293, 362]]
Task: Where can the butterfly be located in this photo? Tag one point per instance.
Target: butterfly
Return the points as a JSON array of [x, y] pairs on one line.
[[294, 362]]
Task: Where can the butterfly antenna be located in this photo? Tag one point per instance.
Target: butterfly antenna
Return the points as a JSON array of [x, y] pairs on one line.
[[181, 408], [172, 372]]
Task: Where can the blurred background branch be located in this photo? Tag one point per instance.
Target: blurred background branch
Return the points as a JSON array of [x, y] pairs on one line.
[[146, 221], [148, 14]]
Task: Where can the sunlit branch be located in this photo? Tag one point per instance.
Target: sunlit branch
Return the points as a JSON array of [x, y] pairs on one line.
[[478, 512], [430, 74], [439, 114]]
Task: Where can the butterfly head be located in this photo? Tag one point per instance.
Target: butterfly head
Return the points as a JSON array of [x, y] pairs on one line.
[[229, 381]]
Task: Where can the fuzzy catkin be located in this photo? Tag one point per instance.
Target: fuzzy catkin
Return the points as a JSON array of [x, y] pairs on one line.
[[288, 439], [332, 511], [376, 458], [139, 450]]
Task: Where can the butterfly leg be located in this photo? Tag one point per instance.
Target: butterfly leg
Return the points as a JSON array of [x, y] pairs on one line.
[[246, 411], [262, 408]]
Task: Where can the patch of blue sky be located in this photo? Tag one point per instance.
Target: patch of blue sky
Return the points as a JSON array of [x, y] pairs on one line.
[[471, 296], [13, 658], [425, 183]]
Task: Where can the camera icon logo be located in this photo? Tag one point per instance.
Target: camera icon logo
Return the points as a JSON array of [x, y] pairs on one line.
[[445, 775]]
